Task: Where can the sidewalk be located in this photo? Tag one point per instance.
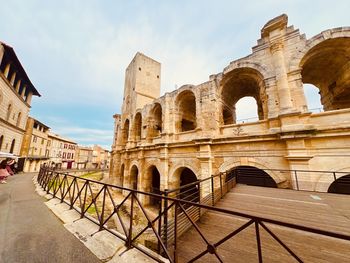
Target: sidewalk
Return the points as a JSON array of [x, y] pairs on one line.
[[30, 232]]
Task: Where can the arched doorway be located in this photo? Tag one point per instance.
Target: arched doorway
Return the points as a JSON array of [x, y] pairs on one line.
[[190, 193], [155, 125], [246, 110], [134, 173], [250, 175], [238, 84], [126, 131], [155, 185], [186, 104], [138, 126], [326, 66], [340, 186]]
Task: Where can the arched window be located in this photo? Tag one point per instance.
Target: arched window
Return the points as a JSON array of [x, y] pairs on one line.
[[156, 122], [238, 84], [1, 141], [326, 66], [186, 105], [126, 131], [134, 173], [138, 126], [9, 110], [12, 146], [19, 118]]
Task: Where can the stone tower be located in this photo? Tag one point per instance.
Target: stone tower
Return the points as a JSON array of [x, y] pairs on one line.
[[142, 83]]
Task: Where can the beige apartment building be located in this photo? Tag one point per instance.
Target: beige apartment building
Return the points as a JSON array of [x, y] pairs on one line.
[[192, 132], [100, 157], [16, 91], [83, 157], [35, 146], [61, 151]]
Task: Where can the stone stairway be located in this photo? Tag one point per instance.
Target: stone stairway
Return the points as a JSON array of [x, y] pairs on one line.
[[318, 210]]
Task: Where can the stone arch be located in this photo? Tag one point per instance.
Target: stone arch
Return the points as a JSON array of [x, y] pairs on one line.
[[341, 185], [138, 126], [326, 179], [240, 83], [155, 120], [186, 111], [185, 176], [324, 63], [151, 183], [134, 176], [126, 131], [19, 116], [174, 179], [9, 110], [235, 162], [239, 64]]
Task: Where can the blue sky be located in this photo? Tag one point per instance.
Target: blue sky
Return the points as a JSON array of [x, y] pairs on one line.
[[76, 52]]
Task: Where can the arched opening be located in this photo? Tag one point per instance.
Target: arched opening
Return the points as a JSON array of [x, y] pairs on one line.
[[246, 110], [313, 98], [9, 110], [189, 193], [19, 119], [251, 176], [341, 185], [126, 131], [155, 125], [1, 141], [327, 66], [155, 185], [138, 126], [12, 145], [186, 102], [238, 84], [134, 173], [121, 178]]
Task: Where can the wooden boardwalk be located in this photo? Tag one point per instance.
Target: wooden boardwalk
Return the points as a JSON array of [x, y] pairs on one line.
[[318, 210]]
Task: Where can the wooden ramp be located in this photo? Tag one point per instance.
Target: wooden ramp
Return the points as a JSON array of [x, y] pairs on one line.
[[324, 211]]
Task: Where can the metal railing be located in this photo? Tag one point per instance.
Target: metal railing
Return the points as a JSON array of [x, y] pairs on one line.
[[97, 202]]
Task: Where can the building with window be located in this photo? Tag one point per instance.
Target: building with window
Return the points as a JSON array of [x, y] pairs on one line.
[[61, 151], [83, 157], [35, 146], [100, 157], [193, 132], [16, 91]]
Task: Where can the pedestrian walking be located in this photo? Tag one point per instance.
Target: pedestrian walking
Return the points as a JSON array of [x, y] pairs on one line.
[[3, 172]]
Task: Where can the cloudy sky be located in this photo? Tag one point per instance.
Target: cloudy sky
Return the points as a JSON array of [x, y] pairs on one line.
[[76, 52]]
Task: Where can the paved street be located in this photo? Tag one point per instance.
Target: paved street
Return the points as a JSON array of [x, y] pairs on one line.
[[30, 232]]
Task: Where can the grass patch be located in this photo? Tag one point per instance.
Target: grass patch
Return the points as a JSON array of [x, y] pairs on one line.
[[98, 176]]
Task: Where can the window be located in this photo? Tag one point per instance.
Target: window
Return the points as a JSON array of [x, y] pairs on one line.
[[48, 143], [1, 140], [64, 155], [68, 156], [42, 141], [12, 146], [34, 138], [9, 109], [72, 155]]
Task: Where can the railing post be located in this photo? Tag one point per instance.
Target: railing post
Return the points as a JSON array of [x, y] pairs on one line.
[[212, 190], [103, 207], [175, 232], [296, 179], [220, 185], [199, 200], [160, 222], [166, 218], [131, 219], [334, 176], [258, 241]]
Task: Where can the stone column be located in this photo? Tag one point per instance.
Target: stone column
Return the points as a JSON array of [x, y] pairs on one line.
[[23, 91], [297, 90], [18, 84], [29, 98], [285, 103], [1, 53], [7, 70], [13, 77]]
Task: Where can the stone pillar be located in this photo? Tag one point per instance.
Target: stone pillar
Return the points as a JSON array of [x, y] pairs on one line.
[[13, 77], [297, 90], [206, 169], [285, 103], [29, 97], [2, 51], [18, 84], [23, 91], [7, 70]]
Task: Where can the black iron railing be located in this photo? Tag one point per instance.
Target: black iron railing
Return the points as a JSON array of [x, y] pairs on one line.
[[126, 216]]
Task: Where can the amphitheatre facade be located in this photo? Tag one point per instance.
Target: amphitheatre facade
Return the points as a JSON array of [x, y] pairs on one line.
[[162, 142]]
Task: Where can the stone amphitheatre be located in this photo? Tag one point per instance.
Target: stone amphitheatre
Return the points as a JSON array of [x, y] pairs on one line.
[[191, 133]]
